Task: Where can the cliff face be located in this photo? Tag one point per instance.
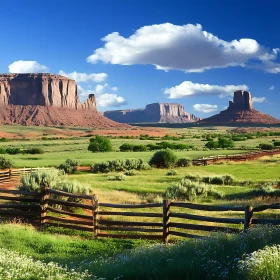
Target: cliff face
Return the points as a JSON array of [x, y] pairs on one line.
[[240, 110], [153, 113], [46, 99], [41, 89]]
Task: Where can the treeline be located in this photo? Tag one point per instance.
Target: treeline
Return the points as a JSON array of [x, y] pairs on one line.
[[128, 147], [15, 151]]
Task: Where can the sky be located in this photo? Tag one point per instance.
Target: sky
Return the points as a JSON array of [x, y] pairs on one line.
[[135, 52]]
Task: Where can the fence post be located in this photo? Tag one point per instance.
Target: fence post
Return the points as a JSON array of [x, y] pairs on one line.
[[248, 217], [165, 220], [95, 210], [10, 173], [43, 204]]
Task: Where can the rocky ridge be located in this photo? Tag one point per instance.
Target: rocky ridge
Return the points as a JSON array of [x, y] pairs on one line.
[[240, 110], [153, 113], [47, 99]]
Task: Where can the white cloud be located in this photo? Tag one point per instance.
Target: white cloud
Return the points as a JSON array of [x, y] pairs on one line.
[[103, 99], [114, 88], [84, 77], [110, 100], [189, 88], [24, 66], [205, 108], [272, 88], [258, 99], [187, 47]]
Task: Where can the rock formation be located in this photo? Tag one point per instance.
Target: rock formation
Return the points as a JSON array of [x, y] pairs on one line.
[[240, 110], [41, 89], [46, 99], [153, 113]]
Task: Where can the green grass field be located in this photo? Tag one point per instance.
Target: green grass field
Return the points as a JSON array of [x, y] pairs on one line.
[[139, 259]]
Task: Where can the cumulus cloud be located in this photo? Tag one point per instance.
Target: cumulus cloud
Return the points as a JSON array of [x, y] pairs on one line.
[[110, 100], [272, 88], [187, 47], [205, 108], [189, 88], [27, 66], [114, 88], [258, 99], [84, 77], [103, 99]]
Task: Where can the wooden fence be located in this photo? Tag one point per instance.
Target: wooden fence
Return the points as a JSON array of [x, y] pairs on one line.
[[55, 208], [7, 175], [238, 157]]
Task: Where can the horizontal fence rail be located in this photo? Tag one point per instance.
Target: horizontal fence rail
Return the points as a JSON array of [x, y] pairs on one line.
[[236, 157], [155, 221]]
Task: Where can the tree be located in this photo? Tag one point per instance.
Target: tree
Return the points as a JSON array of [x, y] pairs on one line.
[[100, 144], [164, 158]]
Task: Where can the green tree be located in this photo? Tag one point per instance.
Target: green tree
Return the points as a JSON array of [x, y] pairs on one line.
[[164, 158], [100, 144]]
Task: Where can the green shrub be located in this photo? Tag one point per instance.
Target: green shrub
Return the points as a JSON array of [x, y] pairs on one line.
[[5, 163], [100, 144], [2, 151], [4, 139], [194, 178], [164, 158], [33, 151], [126, 147], [69, 167], [183, 162], [266, 146], [119, 177], [276, 143], [13, 151], [139, 148], [171, 172], [119, 165], [217, 180], [228, 179], [131, 172], [191, 191]]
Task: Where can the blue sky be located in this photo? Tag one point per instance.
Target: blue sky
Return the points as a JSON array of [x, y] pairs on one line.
[[191, 52]]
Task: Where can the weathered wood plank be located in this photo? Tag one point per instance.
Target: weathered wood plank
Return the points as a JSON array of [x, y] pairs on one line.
[[183, 234], [206, 207], [129, 229], [67, 221], [18, 198], [203, 227], [148, 205], [132, 214], [131, 236], [207, 219], [82, 196], [121, 223], [68, 203], [86, 217]]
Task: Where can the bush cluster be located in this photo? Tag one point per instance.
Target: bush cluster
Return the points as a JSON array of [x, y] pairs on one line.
[[163, 159], [221, 143], [191, 191], [100, 144], [119, 165], [128, 147], [15, 151], [171, 172], [118, 177], [69, 167], [214, 180], [183, 162], [266, 146], [5, 163]]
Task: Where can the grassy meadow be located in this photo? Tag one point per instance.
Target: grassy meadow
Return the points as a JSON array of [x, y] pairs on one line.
[[75, 255]]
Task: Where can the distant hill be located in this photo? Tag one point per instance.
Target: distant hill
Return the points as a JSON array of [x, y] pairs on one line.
[[241, 111], [153, 113]]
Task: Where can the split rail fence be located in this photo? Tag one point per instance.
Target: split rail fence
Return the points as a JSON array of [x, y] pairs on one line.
[[161, 220], [238, 157], [7, 175]]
